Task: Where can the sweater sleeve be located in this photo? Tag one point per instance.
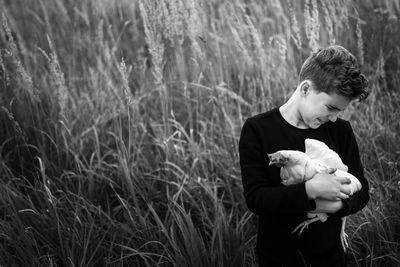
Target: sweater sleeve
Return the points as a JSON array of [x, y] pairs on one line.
[[350, 156], [262, 194]]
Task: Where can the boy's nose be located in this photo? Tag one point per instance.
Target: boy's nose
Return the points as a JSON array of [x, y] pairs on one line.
[[333, 117]]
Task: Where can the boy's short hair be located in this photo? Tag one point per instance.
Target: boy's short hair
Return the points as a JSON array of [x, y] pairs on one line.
[[335, 70]]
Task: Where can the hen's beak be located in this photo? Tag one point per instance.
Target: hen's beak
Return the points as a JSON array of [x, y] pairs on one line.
[[272, 159]]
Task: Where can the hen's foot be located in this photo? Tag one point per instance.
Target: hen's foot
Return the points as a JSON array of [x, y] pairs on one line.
[[304, 225]]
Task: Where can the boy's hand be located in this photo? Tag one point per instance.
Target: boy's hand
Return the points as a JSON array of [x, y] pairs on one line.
[[327, 186]]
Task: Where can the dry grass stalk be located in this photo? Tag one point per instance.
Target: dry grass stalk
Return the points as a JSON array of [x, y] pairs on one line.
[[46, 18], [58, 80], [343, 13], [246, 38], [194, 25], [312, 23], [99, 35], [4, 76], [380, 70], [279, 42], [125, 83], [295, 30], [328, 22], [153, 36], [360, 44], [239, 44], [17, 128], [172, 20], [46, 182], [152, 20], [256, 41], [26, 79]]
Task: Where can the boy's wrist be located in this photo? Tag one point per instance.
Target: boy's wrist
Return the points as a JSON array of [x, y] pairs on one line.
[[311, 194], [328, 206]]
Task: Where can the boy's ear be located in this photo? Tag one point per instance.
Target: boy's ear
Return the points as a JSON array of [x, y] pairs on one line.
[[305, 87]]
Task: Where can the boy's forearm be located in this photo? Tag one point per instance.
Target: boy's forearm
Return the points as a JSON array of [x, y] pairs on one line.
[[327, 206]]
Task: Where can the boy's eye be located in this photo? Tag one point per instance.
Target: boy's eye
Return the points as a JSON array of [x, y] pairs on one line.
[[330, 108]]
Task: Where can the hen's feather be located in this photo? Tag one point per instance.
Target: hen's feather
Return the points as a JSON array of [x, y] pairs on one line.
[[317, 150]]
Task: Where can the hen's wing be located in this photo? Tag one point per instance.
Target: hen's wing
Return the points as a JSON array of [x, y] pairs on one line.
[[318, 150]]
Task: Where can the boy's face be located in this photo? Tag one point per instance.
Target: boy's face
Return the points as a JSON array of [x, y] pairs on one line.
[[319, 107]]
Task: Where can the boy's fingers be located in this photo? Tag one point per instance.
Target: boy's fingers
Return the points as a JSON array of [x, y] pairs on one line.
[[346, 190], [344, 180], [343, 196]]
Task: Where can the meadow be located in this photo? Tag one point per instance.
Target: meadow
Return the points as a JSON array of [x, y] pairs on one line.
[[120, 122]]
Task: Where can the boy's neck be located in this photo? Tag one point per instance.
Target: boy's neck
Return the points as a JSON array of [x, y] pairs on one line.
[[290, 112]]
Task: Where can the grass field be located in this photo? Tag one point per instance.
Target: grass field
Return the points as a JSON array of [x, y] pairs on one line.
[[120, 122]]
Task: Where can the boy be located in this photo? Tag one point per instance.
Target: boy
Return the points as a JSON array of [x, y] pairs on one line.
[[328, 81]]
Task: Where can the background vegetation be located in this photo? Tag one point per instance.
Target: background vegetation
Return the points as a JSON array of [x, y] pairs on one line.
[[120, 122]]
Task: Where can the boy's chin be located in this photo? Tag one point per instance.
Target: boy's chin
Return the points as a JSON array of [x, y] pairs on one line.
[[315, 124]]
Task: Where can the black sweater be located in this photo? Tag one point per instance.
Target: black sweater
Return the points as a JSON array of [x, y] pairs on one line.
[[281, 208]]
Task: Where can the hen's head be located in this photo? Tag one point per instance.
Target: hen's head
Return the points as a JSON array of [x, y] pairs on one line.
[[283, 158], [277, 159]]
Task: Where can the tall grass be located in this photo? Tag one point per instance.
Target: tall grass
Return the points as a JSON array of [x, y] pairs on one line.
[[120, 122]]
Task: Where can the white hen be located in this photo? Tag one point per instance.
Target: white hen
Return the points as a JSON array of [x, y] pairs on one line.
[[297, 166]]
